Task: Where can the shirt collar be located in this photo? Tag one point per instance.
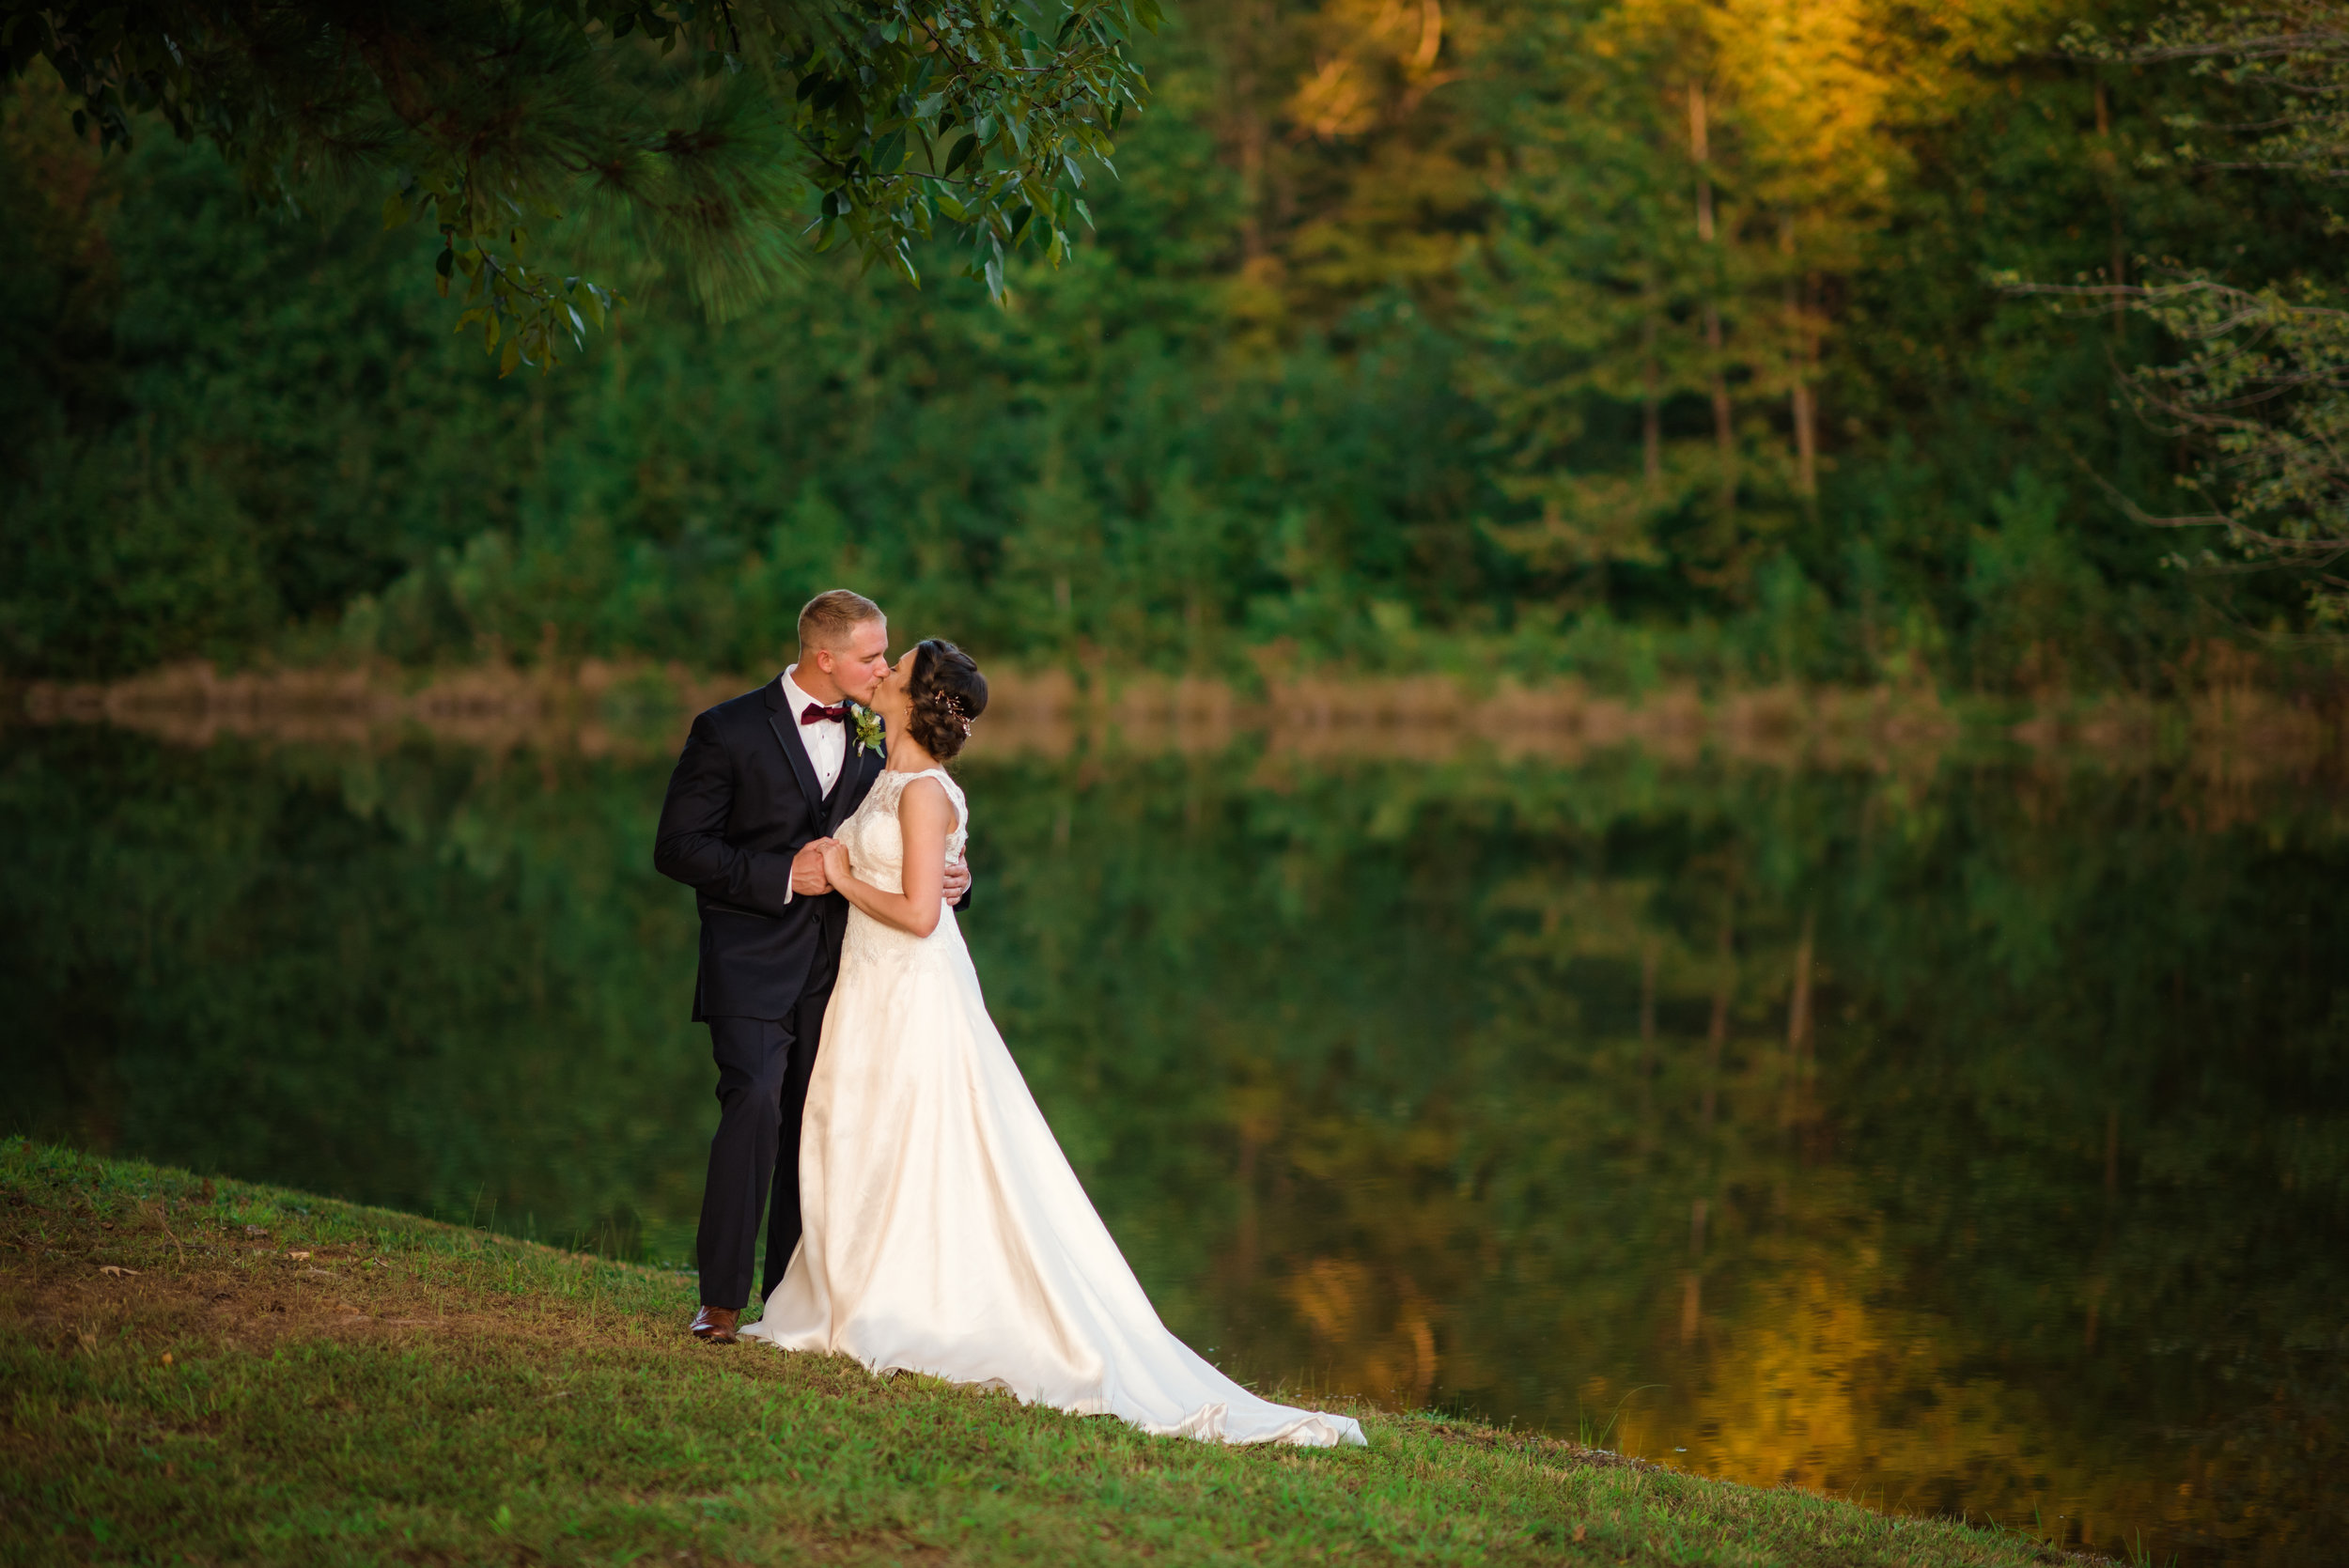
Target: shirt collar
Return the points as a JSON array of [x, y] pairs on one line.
[[798, 700]]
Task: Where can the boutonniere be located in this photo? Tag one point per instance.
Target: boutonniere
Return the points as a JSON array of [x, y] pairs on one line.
[[867, 726]]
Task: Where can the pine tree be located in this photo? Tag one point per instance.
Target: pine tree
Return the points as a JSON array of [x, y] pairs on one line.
[[725, 132], [1687, 182], [2261, 390]]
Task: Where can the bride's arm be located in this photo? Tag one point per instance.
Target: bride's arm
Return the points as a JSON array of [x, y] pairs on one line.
[[925, 816]]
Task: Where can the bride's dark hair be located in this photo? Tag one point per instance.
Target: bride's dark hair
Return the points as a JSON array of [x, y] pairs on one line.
[[948, 693]]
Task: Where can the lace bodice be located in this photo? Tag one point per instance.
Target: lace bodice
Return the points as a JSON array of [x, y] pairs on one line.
[[876, 851], [875, 843]]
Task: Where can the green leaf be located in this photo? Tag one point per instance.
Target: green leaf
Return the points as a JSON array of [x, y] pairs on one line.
[[1021, 89]]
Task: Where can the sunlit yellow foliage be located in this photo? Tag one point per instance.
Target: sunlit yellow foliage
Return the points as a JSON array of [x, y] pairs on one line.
[[1370, 1337], [1374, 58], [1809, 84], [1807, 1382]]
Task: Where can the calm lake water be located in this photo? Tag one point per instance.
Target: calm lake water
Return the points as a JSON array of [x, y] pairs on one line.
[[1954, 1135]]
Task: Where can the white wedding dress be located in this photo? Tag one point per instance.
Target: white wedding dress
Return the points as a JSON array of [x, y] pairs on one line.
[[943, 1231]]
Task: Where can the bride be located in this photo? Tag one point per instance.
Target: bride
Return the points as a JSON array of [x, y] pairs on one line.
[[943, 1229]]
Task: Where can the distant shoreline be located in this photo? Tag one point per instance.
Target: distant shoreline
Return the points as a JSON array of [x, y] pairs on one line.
[[598, 707]]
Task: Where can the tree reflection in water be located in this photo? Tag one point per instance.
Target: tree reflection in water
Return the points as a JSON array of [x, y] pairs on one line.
[[1970, 1140]]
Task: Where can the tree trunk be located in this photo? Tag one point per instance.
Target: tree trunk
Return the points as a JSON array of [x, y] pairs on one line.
[[1647, 1048], [1799, 1004], [1243, 130], [1700, 151], [2112, 1153], [1716, 1032], [2119, 268], [1797, 1101], [1801, 349], [1647, 1004], [1652, 418], [1724, 428]]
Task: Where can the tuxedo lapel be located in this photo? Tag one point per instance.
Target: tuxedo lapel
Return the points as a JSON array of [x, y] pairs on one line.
[[857, 771], [786, 725]]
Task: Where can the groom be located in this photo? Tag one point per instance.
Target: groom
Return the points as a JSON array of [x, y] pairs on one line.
[[763, 782]]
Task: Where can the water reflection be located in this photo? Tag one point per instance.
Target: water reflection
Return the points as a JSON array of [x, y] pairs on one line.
[[1959, 1138]]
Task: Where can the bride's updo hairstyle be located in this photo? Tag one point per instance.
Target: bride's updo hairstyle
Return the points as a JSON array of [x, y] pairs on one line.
[[948, 695]]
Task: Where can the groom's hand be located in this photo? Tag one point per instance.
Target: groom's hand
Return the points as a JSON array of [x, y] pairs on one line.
[[957, 882], [807, 869]]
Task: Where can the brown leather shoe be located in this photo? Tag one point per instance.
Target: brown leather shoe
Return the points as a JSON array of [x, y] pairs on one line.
[[715, 1324]]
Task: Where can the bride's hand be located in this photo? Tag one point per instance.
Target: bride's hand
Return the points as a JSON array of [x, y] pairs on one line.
[[807, 869], [835, 861]]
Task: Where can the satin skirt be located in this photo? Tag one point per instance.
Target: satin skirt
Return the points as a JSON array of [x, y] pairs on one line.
[[945, 1233]]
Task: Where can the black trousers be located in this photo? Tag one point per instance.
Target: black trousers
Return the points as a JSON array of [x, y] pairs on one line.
[[763, 1069]]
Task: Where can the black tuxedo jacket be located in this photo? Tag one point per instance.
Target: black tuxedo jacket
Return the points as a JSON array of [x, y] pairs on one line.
[[741, 802]]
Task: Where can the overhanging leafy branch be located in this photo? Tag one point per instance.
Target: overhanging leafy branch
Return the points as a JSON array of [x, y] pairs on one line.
[[735, 137]]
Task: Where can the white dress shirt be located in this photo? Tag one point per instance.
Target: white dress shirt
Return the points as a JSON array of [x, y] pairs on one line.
[[826, 742]]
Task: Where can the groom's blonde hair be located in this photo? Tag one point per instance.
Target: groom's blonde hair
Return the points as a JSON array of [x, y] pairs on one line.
[[830, 615]]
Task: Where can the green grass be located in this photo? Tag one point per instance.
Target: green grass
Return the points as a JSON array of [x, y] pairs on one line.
[[419, 1392]]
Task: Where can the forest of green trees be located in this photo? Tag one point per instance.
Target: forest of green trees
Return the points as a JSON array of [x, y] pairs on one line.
[[1621, 338]]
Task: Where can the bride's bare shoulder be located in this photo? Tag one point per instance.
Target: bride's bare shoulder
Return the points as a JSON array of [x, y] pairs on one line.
[[924, 799], [924, 792]]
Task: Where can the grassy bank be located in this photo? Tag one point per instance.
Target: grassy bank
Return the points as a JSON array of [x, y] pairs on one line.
[[212, 1371]]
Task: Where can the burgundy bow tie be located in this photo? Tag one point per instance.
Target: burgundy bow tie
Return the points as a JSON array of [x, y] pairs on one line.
[[816, 713]]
